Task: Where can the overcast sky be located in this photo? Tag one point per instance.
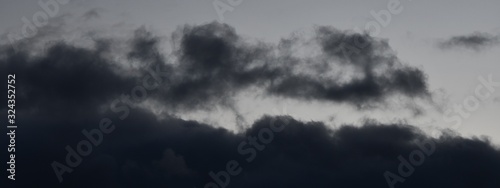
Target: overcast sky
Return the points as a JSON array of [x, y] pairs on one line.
[[427, 62], [414, 35]]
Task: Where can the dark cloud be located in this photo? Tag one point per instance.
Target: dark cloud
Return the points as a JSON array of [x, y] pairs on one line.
[[66, 80], [68, 90], [176, 153], [212, 63], [475, 41]]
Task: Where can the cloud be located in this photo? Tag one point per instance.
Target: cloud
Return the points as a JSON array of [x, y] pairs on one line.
[[214, 61], [68, 89], [476, 41], [377, 72], [64, 78], [210, 64], [178, 153]]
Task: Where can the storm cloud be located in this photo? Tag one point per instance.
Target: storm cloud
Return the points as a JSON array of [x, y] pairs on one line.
[[69, 89], [211, 63], [214, 62], [144, 151]]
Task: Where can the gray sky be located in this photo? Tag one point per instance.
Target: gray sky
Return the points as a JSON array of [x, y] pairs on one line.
[[413, 35]]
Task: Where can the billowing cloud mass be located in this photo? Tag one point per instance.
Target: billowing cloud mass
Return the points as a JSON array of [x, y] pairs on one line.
[[69, 92], [175, 153], [212, 63], [475, 41]]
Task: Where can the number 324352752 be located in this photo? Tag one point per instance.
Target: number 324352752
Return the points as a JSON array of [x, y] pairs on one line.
[[11, 98]]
